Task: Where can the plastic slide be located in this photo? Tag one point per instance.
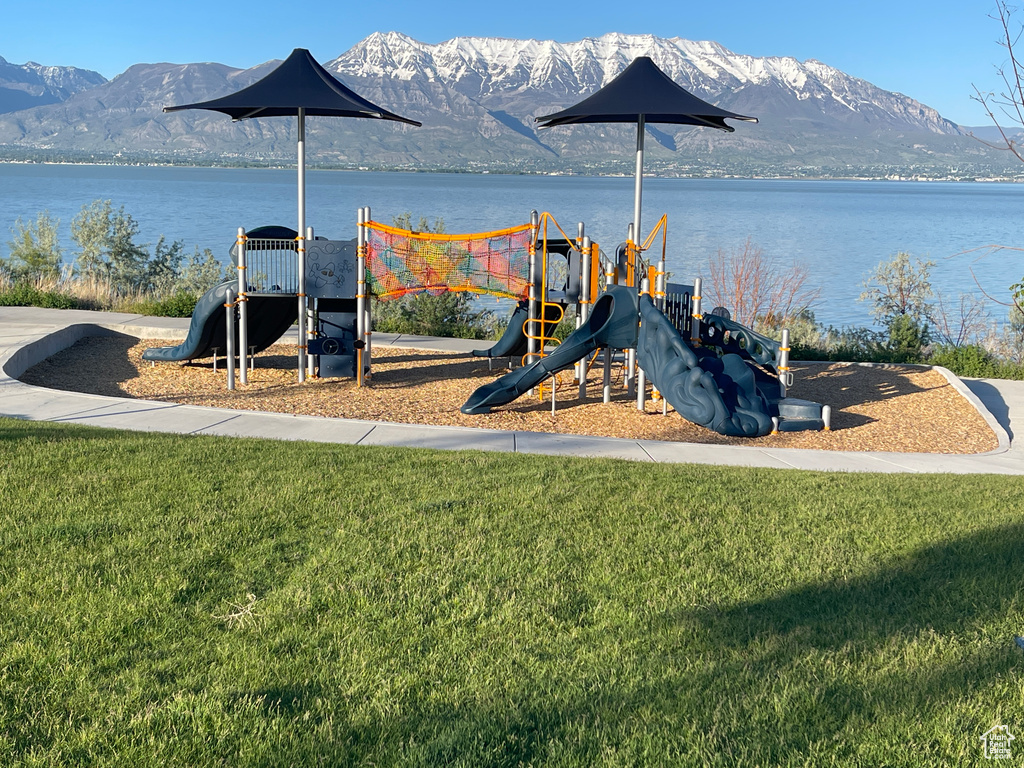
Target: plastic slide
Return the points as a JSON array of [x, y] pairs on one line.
[[612, 322], [268, 319], [513, 342], [720, 393]]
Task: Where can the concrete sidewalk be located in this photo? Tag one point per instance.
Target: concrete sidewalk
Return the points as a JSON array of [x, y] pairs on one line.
[[29, 335]]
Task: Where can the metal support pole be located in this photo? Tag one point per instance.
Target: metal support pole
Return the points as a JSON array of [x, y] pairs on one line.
[[638, 184], [695, 309], [367, 304], [611, 278], [301, 243], [368, 339], [581, 365], [641, 384], [362, 216], [660, 285], [583, 257], [631, 275], [229, 318], [310, 325], [785, 376], [585, 301], [630, 254], [606, 388], [243, 309], [586, 279], [534, 294]]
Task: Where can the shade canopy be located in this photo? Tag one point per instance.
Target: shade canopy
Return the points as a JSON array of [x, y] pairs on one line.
[[643, 90], [643, 94], [298, 83], [297, 88]]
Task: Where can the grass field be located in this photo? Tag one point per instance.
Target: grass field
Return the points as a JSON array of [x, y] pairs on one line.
[[183, 601]]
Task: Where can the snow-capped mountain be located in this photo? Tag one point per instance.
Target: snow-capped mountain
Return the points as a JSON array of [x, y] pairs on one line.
[[498, 71], [478, 99], [30, 85]]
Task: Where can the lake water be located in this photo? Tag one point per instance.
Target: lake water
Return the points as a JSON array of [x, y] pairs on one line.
[[839, 229]]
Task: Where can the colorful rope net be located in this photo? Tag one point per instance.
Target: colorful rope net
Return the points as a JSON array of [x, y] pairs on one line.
[[400, 262]]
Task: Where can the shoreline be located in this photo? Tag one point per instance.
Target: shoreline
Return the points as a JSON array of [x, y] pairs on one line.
[[648, 174]]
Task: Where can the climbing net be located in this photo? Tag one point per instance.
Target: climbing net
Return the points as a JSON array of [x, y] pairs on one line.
[[400, 262]]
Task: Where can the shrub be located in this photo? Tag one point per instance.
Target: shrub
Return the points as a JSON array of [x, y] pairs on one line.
[[752, 286], [25, 295], [976, 362], [181, 304], [907, 337], [35, 249], [448, 314]]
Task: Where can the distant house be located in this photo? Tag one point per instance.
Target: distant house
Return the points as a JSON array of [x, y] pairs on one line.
[[997, 743]]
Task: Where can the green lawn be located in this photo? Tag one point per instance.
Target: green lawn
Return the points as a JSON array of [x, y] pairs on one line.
[[182, 601]]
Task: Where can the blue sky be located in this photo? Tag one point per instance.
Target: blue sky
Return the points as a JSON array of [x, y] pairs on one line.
[[933, 50]]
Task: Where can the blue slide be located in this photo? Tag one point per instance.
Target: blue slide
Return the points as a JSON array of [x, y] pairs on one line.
[[612, 322], [720, 393], [269, 317]]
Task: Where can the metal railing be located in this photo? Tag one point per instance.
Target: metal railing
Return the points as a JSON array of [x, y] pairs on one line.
[[273, 266]]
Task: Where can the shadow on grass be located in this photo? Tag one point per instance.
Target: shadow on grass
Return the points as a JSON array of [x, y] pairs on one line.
[[15, 427], [941, 588], [818, 672]]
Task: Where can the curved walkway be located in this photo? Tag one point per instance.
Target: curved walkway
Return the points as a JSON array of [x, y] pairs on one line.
[[29, 335]]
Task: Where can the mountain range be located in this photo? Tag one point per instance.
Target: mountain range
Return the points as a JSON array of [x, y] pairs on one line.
[[477, 99]]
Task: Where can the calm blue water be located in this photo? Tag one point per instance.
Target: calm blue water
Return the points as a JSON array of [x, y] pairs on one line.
[[839, 229]]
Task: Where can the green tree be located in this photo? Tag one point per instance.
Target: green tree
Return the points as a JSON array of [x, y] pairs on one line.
[[900, 287], [900, 291], [35, 249], [200, 272], [163, 269], [106, 239]]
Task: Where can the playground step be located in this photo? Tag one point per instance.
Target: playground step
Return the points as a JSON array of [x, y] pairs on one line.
[[795, 408], [801, 425]]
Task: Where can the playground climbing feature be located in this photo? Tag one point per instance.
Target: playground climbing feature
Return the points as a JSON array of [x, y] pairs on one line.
[[401, 262]]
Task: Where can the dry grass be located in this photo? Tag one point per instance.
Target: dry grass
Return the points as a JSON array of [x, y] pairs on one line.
[[892, 408]]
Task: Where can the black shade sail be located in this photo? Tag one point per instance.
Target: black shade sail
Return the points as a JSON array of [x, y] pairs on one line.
[[298, 83], [299, 87], [643, 94], [642, 89]]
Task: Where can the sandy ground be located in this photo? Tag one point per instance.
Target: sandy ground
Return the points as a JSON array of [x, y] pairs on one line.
[[890, 408]]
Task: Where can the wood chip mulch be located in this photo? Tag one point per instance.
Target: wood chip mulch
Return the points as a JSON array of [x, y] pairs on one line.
[[890, 408]]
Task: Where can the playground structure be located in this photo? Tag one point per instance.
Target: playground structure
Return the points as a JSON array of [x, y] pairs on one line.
[[711, 370]]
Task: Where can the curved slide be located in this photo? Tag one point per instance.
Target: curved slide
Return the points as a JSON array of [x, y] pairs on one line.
[[724, 393], [513, 342], [269, 317], [611, 322], [720, 393]]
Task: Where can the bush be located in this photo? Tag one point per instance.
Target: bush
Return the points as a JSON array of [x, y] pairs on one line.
[[907, 337], [181, 304], [974, 361], [25, 295], [449, 314], [970, 360]]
